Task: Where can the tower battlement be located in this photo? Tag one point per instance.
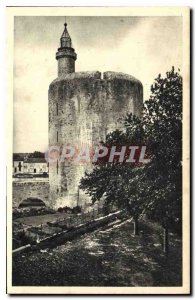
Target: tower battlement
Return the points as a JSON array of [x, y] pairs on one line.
[[109, 75]]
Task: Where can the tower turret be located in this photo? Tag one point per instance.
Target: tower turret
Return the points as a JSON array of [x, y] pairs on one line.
[[66, 55]]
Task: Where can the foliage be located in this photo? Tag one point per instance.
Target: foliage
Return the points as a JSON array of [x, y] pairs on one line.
[[66, 209], [76, 210], [163, 129], [114, 182]]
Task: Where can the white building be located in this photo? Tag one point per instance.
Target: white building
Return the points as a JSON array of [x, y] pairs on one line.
[[30, 166]]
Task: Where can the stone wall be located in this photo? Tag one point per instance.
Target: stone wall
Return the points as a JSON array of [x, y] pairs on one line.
[[83, 108], [31, 188]]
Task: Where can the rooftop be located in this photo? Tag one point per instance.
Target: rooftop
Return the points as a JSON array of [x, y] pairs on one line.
[[35, 160]]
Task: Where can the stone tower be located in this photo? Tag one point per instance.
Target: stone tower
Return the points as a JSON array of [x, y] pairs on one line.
[[83, 108]]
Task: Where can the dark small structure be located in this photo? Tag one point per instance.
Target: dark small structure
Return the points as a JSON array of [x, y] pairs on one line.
[[32, 202]]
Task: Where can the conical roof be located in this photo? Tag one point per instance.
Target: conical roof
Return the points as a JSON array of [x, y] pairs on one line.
[[65, 33], [65, 38]]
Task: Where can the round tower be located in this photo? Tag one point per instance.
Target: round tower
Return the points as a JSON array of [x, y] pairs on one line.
[[83, 108], [66, 55]]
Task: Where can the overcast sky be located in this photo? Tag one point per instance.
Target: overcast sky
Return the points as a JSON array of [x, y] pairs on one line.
[[140, 46]]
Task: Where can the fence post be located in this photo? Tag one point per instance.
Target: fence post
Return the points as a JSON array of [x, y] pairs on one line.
[[77, 222]]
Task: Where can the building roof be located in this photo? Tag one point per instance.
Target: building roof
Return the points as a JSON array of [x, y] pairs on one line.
[[18, 159], [35, 160], [19, 156]]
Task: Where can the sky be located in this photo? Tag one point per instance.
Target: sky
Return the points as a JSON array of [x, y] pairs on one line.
[[140, 46]]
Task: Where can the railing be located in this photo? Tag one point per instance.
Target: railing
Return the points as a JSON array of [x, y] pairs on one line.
[[81, 218], [74, 220]]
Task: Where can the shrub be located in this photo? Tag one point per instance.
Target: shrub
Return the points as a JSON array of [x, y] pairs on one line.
[[76, 210]]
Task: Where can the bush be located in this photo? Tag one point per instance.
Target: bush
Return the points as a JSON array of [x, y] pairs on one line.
[[76, 210], [66, 209], [60, 209], [18, 213]]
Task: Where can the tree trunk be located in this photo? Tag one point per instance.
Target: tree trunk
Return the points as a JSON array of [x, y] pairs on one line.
[[165, 240], [135, 224]]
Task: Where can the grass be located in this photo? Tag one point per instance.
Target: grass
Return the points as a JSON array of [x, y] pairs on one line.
[[105, 257]]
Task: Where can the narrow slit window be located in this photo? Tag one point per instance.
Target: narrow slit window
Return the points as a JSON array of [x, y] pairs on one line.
[[57, 136], [57, 167], [57, 109]]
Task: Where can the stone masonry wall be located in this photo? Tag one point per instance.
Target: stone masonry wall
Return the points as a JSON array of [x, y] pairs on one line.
[[27, 189], [83, 108]]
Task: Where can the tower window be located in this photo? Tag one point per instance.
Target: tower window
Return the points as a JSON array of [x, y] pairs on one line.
[[57, 109], [57, 136], [57, 167]]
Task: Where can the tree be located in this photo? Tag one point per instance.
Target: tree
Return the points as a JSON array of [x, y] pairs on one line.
[[36, 154], [162, 120], [114, 182]]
